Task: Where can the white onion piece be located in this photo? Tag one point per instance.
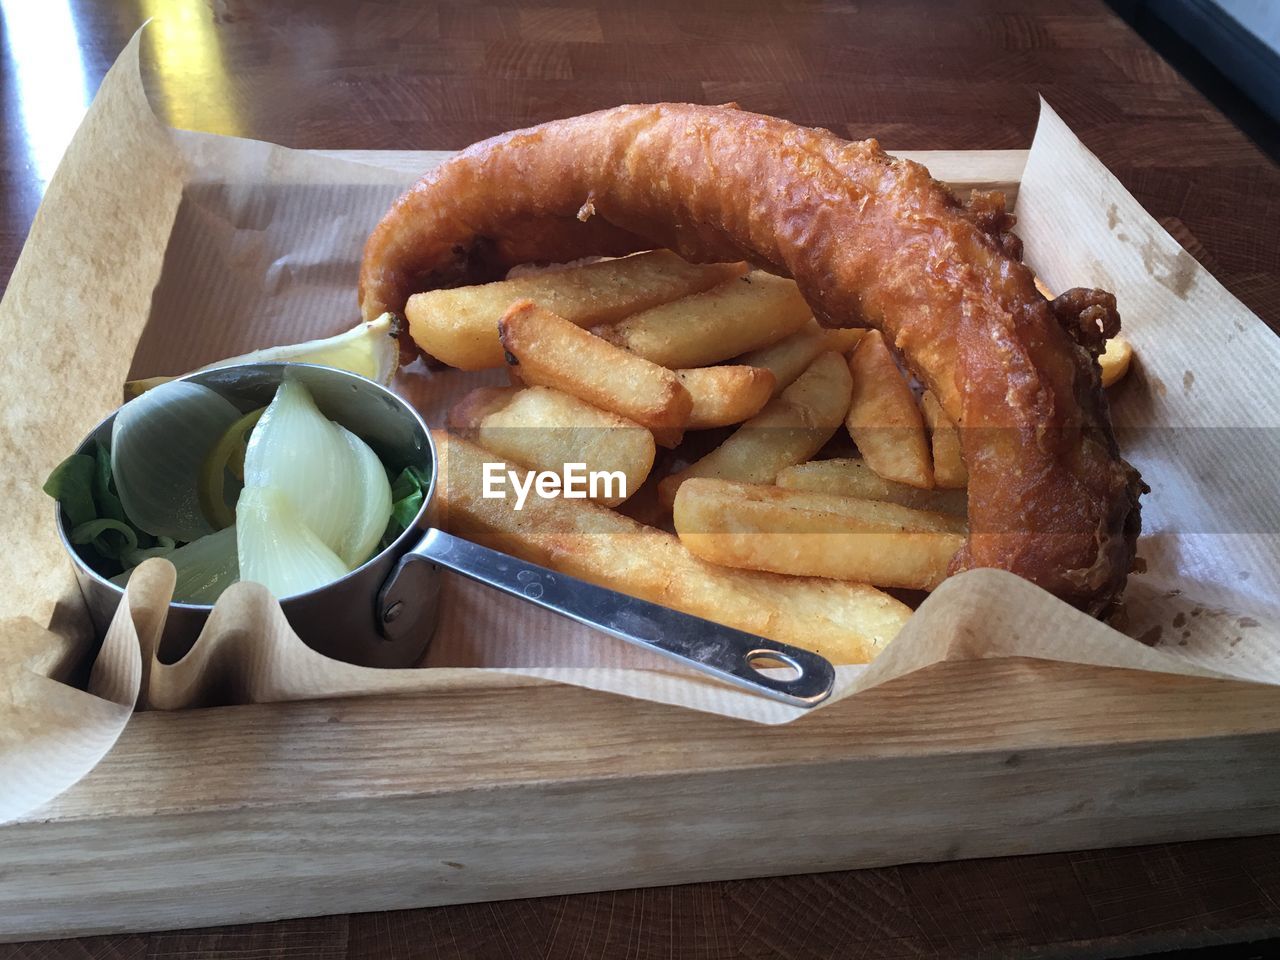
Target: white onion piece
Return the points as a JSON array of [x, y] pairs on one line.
[[336, 484], [205, 568], [277, 549], [158, 443], [296, 449], [369, 523]]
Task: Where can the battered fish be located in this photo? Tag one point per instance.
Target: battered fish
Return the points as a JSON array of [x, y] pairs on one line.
[[872, 241]]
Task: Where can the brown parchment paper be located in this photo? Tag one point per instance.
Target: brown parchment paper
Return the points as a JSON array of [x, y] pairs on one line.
[[157, 250]]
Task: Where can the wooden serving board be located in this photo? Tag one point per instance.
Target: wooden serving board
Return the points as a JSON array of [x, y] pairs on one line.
[[236, 814], [249, 813]]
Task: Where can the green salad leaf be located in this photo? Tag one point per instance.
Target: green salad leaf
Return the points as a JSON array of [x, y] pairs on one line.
[[408, 491], [71, 484], [84, 487], [104, 488]]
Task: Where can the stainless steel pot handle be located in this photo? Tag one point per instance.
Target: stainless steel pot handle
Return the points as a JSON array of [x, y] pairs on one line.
[[710, 647]]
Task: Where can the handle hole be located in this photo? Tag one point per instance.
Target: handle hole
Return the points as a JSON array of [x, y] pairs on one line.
[[772, 662]]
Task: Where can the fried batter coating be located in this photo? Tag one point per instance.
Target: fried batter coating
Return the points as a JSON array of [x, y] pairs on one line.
[[872, 241]]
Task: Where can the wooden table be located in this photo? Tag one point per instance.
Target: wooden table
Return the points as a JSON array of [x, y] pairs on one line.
[[367, 75]]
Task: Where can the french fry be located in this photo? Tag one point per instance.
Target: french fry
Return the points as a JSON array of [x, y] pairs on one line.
[[545, 429], [949, 471], [722, 396], [790, 429], [815, 535], [533, 269], [883, 418], [459, 326], [873, 514], [667, 437], [725, 395], [546, 350], [790, 356], [849, 477], [1115, 360], [704, 328], [844, 622], [844, 339]]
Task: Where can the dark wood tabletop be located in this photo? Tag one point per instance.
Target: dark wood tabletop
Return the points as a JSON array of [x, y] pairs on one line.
[[915, 74]]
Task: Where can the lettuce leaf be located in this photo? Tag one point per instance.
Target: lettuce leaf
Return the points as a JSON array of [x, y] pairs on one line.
[[408, 490], [85, 489]]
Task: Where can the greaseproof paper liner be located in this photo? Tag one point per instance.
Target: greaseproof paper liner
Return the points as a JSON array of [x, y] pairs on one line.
[[156, 251]]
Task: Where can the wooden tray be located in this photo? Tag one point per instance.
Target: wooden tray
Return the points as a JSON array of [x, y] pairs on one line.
[[260, 812]]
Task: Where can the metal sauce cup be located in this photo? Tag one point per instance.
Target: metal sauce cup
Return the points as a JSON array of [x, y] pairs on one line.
[[383, 613]]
